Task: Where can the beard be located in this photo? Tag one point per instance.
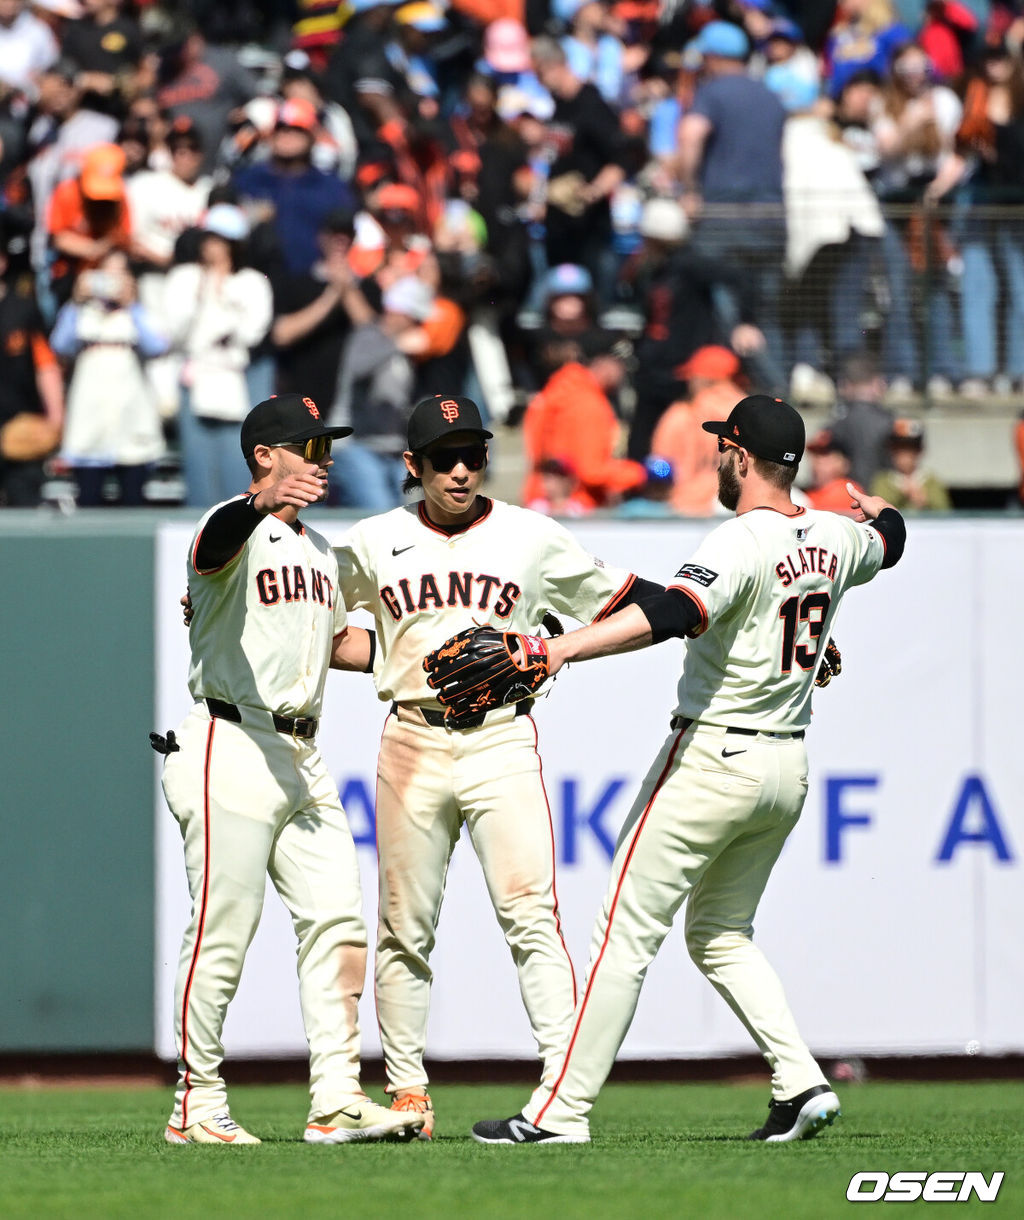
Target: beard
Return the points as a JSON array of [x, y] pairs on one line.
[[728, 485]]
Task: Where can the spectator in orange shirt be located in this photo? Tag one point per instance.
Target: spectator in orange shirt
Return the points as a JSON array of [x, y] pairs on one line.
[[572, 419], [88, 217], [830, 472], [1018, 440], [712, 375]]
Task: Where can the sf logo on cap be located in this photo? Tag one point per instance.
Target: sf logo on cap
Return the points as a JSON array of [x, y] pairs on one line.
[[313, 408], [450, 410]]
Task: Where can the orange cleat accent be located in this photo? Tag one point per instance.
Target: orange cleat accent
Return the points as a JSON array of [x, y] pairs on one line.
[[417, 1101]]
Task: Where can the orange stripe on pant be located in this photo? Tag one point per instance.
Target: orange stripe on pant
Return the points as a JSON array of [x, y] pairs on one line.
[[611, 917], [202, 922]]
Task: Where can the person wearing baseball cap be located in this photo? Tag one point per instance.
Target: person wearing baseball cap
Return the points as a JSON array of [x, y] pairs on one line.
[[289, 419], [87, 215], [301, 193], [907, 486], [755, 605], [830, 473], [244, 773], [708, 386], [765, 427], [424, 571]]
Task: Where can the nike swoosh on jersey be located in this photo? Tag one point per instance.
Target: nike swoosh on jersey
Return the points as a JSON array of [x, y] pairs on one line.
[[275, 537], [400, 550], [730, 753]]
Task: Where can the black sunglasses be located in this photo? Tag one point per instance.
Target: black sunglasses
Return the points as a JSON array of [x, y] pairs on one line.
[[313, 450], [444, 460], [724, 445]]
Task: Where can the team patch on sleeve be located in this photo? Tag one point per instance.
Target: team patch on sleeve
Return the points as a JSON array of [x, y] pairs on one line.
[[699, 575]]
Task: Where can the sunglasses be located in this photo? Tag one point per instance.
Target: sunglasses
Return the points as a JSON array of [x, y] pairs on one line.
[[313, 450], [444, 460], [724, 445]]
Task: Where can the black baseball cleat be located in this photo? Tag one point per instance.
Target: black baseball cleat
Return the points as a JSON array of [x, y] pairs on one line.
[[518, 1130], [800, 1118]]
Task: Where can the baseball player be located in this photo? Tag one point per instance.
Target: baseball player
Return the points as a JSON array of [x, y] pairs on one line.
[[756, 603], [246, 782], [426, 571]]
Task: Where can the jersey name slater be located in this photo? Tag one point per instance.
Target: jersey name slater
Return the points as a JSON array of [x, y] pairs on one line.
[[430, 592], [807, 559]]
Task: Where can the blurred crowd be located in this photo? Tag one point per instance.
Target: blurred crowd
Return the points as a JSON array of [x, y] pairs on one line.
[[604, 220]]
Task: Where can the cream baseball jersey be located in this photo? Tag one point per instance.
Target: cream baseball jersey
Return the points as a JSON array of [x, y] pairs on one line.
[[423, 584], [768, 587], [265, 622]]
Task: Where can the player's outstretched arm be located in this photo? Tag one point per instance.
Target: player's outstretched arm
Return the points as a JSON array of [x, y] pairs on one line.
[[668, 614]]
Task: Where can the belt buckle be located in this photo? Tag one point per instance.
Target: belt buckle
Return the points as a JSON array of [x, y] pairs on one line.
[[303, 727]]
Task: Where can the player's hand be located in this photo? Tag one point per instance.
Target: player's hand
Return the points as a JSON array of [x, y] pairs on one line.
[[868, 507], [293, 491], [188, 611]]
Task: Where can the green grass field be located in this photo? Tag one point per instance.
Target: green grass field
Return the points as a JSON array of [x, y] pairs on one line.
[[658, 1150]]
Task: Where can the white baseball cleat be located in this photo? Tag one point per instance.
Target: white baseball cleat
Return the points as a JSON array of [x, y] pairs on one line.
[[218, 1129], [800, 1118], [364, 1120]]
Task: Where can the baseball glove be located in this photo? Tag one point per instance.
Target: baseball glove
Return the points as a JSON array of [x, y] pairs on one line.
[[831, 665], [482, 668]]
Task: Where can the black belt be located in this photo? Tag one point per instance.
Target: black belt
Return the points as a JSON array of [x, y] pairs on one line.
[[302, 726], [436, 719], [680, 722]]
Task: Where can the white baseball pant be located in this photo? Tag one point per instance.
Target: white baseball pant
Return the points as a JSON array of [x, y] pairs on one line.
[[711, 828], [250, 802], [429, 781]]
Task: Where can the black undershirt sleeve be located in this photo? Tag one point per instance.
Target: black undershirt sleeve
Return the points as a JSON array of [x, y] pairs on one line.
[[893, 528], [373, 652], [225, 534], [671, 614], [640, 590]]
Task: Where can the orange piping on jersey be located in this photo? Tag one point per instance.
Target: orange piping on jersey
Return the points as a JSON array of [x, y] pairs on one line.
[[612, 604], [202, 923], [461, 529], [554, 889], [611, 916], [800, 510], [703, 625]]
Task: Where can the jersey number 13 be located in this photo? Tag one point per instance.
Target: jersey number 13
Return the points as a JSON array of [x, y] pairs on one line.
[[813, 611]]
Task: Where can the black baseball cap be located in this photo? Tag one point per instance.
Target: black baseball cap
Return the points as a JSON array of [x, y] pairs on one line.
[[767, 427], [434, 418], [285, 419]]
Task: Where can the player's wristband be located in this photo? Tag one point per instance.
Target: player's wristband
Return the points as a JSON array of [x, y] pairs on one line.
[[890, 525], [373, 652]]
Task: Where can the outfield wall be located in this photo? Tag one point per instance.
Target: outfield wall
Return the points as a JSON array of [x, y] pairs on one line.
[[893, 916], [894, 913]]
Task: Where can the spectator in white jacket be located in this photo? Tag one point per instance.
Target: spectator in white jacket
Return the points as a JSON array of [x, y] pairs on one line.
[[834, 225], [215, 311], [112, 427]]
